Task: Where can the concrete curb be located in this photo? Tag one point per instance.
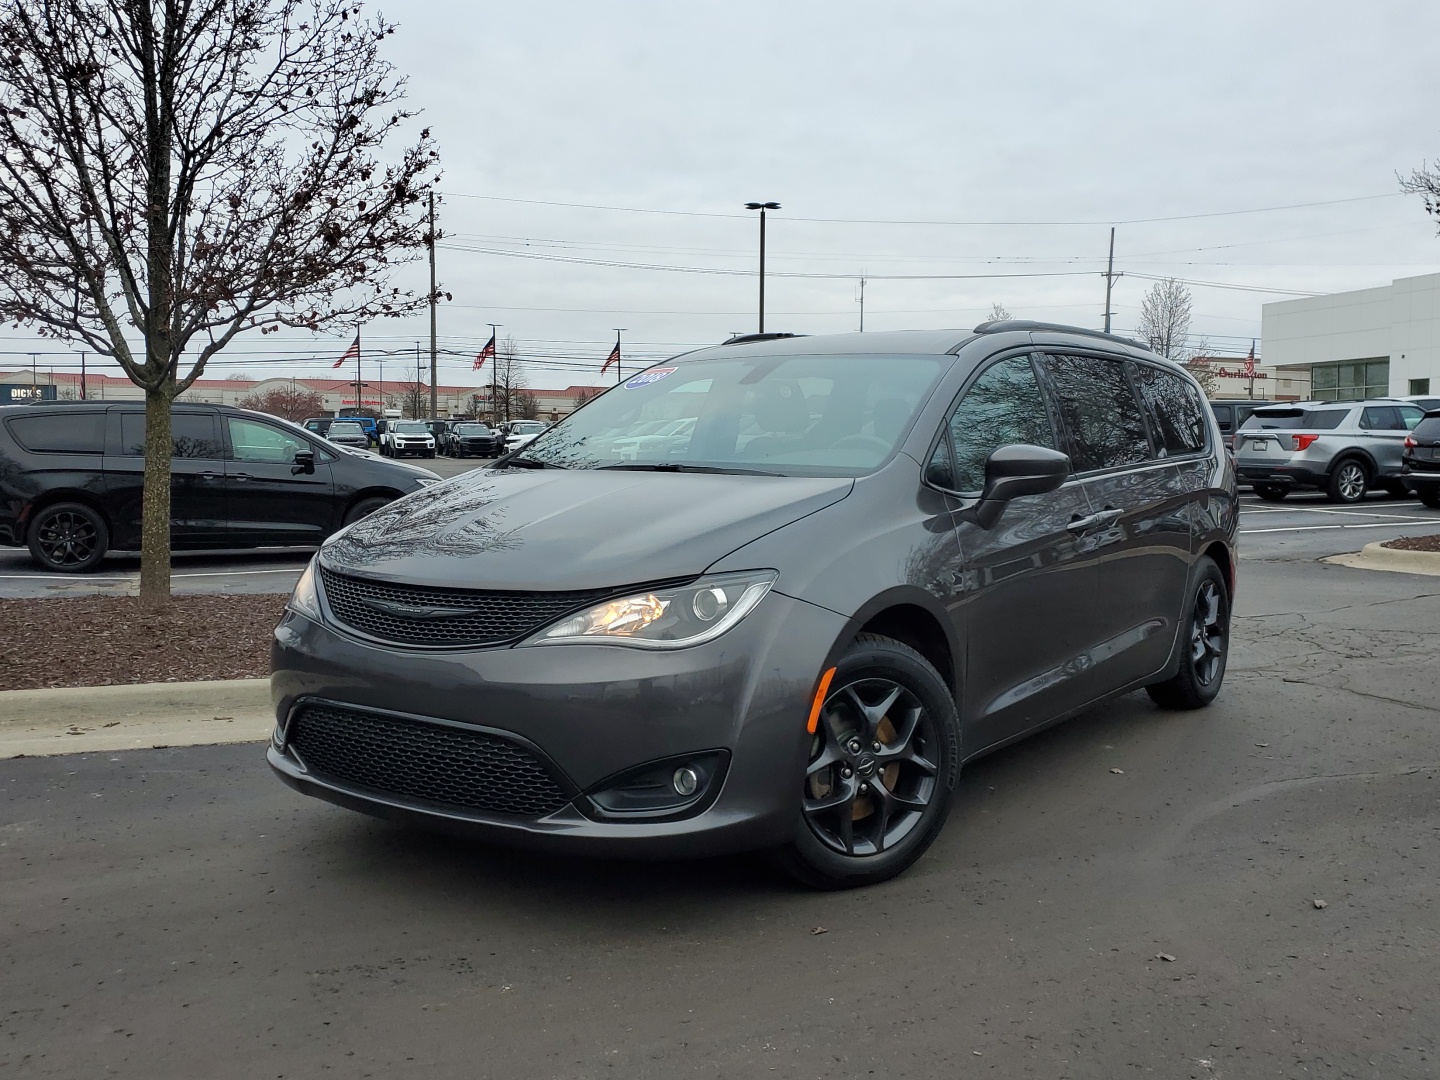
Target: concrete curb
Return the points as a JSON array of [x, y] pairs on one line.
[[92, 718], [1378, 557]]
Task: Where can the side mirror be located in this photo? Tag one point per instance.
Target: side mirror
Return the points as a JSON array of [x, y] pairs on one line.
[[1012, 472], [304, 462]]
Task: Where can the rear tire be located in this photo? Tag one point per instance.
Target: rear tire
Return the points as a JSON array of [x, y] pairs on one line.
[[364, 508], [1271, 492], [1206, 645], [1429, 494], [1349, 480], [882, 769], [68, 538]]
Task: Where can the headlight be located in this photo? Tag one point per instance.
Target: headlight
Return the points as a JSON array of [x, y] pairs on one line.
[[306, 599], [664, 618]]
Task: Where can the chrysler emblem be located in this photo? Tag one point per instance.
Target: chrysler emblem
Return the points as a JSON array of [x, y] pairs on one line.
[[413, 611]]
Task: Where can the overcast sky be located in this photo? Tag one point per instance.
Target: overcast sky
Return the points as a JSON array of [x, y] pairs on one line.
[[956, 154]]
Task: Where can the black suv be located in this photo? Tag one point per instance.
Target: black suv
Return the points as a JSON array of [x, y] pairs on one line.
[[865, 560], [71, 478], [1421, 461]]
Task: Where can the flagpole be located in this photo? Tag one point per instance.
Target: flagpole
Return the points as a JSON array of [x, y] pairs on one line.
[[358, 403], [495, 376], [617, 352]]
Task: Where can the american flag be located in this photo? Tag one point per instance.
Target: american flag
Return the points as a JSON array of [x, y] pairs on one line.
[[613, 359], [352, 353], [1250, 362], [487, 353]]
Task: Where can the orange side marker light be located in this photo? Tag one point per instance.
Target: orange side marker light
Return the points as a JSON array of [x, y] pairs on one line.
[[819, 700]]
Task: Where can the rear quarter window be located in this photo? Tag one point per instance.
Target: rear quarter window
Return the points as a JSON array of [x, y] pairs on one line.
[[61, 433], [1429, 428]]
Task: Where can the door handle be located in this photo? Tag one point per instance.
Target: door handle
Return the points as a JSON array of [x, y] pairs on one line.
[[1107, 516], [242, 476]]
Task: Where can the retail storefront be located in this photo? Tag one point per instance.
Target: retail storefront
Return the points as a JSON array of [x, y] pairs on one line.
[[1381, 342]]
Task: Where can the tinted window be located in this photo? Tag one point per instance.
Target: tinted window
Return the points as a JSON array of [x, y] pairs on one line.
[[1003, 406], [1380, 418], [1174, 408], [1294, 419], [1099, 411], [61, 433], [1429, 428], [251, 440], [192, 435], [1222, 416]]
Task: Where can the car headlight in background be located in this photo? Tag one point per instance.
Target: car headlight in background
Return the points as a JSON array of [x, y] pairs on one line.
[[306, 599], [664, 618]]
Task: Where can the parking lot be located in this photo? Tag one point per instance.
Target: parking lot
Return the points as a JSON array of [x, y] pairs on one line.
[[1246, 891]]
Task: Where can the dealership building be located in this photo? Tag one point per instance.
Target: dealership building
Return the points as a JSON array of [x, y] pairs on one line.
[[1381, 342]]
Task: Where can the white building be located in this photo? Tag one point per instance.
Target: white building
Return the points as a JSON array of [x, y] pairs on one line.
[[1366, 343]]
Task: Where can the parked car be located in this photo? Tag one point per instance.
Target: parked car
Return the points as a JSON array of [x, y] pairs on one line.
[[520, 432], [368, 424], [472, 438], [878, 557], [71, 478], [1428, 402], [1231, 413], [348, 433], [440, 429], [1421, 459], [657, 443], [319, 425], [404, 437], [1344, 448]]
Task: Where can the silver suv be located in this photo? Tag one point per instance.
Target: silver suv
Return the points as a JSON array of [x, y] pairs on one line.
[[1344, 448]]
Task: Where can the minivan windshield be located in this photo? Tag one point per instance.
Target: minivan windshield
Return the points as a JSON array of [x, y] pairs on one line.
[[1294, 418], [791, 415]]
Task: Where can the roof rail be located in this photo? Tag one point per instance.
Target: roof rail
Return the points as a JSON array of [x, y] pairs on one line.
[[743, 339], [1001, 326]]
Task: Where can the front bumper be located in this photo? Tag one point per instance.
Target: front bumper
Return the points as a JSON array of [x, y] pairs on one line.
[[588, 712]]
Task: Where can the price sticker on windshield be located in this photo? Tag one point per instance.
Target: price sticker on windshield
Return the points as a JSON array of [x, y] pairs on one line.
[[645, 378]]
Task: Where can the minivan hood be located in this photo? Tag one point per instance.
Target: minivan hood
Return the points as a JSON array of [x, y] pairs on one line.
[[572, 529]]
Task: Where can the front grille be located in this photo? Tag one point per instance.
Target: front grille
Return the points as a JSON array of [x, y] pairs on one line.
[[445, 617], [433, 763]]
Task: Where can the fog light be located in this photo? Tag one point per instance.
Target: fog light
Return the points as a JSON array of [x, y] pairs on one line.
[[685, 781]]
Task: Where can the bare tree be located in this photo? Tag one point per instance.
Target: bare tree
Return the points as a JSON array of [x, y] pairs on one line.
[[584, 394], [1425, 182], [527, 406], [998, 313], [174, 173], [509, 378], [289, 402], [414, 396], [1165, 319]]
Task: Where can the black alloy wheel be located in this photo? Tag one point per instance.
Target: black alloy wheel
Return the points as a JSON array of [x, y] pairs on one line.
[[881, 772], [1205, 645], [68, 537]]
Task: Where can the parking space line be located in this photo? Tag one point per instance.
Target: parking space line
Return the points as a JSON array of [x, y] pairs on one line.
[[1324, 510], [1318, 528]]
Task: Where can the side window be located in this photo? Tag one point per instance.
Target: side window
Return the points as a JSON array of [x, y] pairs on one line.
[[192, 435], [1174, 410], [61, 432], [250, 440], [1003, 406], [1381, 418], [1223, 417], [1409, 417], [1100, 412]]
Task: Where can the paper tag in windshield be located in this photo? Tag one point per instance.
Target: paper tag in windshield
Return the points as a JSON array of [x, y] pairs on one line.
[[645, 378]]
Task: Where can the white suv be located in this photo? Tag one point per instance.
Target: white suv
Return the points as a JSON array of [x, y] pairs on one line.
[[403, 437]]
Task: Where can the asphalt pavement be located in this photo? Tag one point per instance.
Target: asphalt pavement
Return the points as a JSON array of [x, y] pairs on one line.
[[1247, 891]]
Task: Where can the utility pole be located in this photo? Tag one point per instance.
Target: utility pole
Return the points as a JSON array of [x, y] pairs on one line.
[[1110, 277], [495, 376], [618, 361], [82, 376], [434, 400], [359, 394], [862, 301], [35, 371]]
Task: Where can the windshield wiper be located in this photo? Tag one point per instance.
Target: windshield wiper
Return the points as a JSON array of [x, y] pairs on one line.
[[525, 463], [676, 466]]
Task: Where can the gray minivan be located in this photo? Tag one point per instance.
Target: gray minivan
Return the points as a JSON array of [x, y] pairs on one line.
[[870, 559]]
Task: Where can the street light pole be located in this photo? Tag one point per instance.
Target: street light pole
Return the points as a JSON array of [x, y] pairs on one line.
[[762, 207]]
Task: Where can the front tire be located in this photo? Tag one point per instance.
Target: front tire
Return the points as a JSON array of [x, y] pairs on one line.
[[364, 508], [1349, 481], [1206, 646], [68, 538], [882, 769]]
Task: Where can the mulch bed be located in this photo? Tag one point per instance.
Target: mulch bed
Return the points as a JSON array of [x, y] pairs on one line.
[[1414, 543], [108, 640]]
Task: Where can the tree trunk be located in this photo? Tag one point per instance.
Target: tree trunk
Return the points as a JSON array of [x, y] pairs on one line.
[[155, 512]]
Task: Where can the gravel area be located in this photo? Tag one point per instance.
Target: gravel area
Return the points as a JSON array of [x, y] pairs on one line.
[[106, 640], [1414, 543]]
